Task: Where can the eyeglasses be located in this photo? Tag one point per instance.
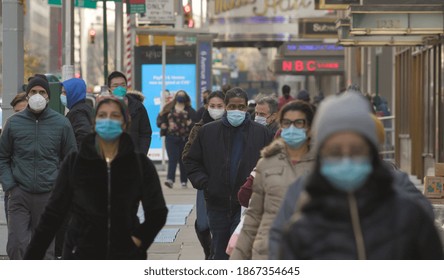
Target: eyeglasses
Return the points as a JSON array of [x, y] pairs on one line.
[[298, 123], [41, 92], [240, 107], [113, 86]]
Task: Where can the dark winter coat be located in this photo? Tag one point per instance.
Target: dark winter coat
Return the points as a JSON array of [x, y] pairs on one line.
[[82, 190], [375, 222], [80, 117], [293, 197], [140, 127], [206, 118], [208, 161], [32, 148]]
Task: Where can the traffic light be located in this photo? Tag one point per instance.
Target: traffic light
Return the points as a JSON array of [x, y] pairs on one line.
[[92, 35], [188, 20]]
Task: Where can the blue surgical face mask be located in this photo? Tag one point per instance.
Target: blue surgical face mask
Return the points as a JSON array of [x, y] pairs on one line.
[[119, 92], [346, 174], [235, 117], [293, 136], [63, 100], [108, 129]]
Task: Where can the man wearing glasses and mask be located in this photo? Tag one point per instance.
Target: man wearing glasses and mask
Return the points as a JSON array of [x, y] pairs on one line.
[[222, 156], [140, 128], [33, 144]]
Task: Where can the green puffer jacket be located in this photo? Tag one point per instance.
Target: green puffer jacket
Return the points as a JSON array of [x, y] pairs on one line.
[[31, 150]]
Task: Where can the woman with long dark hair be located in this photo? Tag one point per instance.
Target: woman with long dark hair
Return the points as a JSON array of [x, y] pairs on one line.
[[175, 122]]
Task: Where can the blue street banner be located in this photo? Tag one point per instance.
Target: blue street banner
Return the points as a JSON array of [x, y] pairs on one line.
[[177, 77], [204, 62]]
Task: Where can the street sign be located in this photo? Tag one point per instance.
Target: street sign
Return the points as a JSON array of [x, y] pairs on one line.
[[137, 6], [159, 11], [320, 28], [77, 3]]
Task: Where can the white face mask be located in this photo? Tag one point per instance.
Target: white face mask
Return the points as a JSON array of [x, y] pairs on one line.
[[216, 113], [37, 103], [261, 120]]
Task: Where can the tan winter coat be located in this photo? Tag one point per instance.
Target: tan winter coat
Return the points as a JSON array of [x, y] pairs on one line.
[[274, 174]]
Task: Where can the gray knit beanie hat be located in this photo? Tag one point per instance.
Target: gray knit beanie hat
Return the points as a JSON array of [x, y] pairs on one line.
[[346, 112]]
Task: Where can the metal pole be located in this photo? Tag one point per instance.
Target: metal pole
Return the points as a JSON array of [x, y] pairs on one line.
[[12, 55], [118, 29], [133, 44], [163, 94], [68, 39], [105, 44]]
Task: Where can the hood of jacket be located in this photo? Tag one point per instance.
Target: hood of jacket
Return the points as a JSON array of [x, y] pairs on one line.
[[75, 91], [135, 94]]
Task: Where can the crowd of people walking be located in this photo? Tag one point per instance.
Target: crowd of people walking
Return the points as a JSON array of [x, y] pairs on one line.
[[307, 171]]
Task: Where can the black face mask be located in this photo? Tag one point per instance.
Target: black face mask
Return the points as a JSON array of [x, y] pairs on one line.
[[286, 95], [181, 99]]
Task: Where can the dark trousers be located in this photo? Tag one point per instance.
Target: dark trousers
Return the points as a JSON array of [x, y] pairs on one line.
[[222, 225], [24, 211], [174, 147], [6, 205]]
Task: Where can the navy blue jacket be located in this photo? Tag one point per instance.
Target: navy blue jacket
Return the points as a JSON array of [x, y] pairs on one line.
[[208, 161]]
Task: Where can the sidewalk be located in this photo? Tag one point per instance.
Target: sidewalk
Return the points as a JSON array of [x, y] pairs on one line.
[[181, 202], [185, 246]]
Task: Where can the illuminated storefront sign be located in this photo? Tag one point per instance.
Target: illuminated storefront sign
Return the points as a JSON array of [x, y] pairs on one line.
[[310, 49], [309, 66]]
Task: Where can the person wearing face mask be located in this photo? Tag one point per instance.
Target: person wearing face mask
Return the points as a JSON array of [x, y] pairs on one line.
[[176, 120], [266, 112], [220, 158], [100, 188], [283, 161], [215, 110], [351, 208], [33, 144], [140, 129], [80, 114], [295, 196]]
